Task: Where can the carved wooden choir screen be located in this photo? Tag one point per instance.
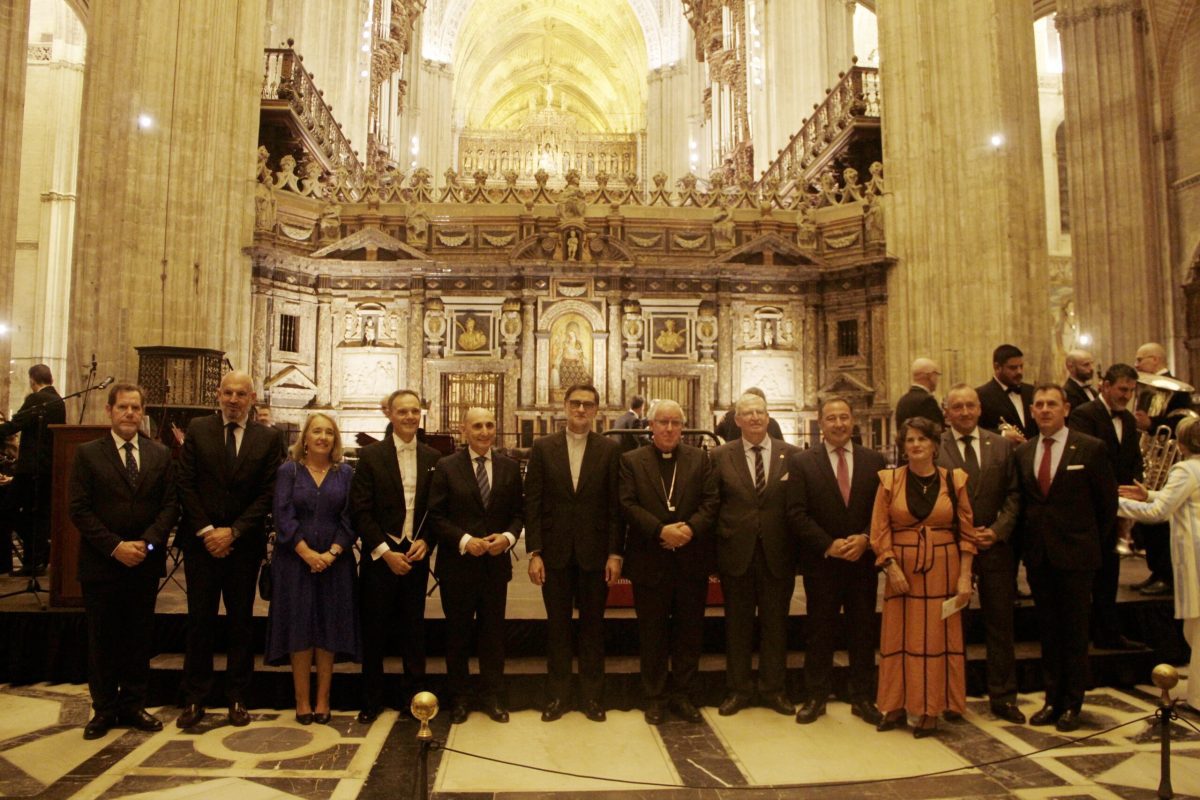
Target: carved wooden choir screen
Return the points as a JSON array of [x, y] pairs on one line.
[[683, 389], [463, 390]]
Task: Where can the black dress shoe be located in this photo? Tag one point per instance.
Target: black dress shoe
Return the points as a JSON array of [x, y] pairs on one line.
[[1047, 715], [304, 719], [655, 713], [495, 710], [368, 715], [683, 708], [1068, 721], [810, 711], [950, 715], [891, 722], [459, 713], [239, 717], [1120, 643], [867, 711], [1157, 589], [98, 726], [554, 710], [191, 716], [779, 703], [322, 717], [1142, 584], [732, 704], [926, 727], [1008, 712], [140, 720], [593, 710]]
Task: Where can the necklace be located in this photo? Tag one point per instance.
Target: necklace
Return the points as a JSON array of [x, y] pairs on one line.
[[926, 482], [315, 470]]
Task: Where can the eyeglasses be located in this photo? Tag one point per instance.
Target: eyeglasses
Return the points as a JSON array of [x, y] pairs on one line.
[[584, 404]]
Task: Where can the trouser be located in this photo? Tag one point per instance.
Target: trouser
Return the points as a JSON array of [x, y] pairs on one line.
[[563, 590], [1063, 601], [120, 620], [209, 580], [837, 585], [670, 634], [993, 572], [477, 598], [757, 589], [390, 605]]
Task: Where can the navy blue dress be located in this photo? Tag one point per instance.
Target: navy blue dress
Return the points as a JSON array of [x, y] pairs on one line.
[[312, 610]]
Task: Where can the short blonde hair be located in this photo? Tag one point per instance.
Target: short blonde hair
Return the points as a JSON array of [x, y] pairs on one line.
[[298, 450], [1187, 432]]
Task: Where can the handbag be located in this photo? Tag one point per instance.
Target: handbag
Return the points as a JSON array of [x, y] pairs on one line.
[[264, 574]]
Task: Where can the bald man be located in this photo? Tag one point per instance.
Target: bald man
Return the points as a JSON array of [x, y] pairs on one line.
[[226, 485], [1081, 371], [919, 400]]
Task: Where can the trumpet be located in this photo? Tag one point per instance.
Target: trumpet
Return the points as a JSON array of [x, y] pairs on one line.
[[1010, 431]]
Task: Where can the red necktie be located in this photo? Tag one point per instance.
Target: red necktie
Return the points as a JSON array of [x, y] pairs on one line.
[[1044, 476], [843, 476]]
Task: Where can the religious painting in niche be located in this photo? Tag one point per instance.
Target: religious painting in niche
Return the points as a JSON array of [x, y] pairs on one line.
[[471, 333], [669, 335], [570, 353]]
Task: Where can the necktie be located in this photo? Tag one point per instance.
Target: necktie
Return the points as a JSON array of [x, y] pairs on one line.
[[1044, 468], [970, 460], [485, 488], [760, 475], [843, 476], [231, 443], [130, 463]]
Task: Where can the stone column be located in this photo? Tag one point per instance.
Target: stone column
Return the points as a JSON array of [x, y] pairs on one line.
[[14, 38], [616, 360], [166, 180], [416, 340], [528, 352], [323, 374], [964, 208], [1122, 294]]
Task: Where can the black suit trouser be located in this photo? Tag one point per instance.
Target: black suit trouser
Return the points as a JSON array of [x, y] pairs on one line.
[[392, 605], [563, 590], [993, 573], [1156, 539], [756, 589], [1063, 601], [851, 588], [477, 596], [120, 621], [670, 633], [1106, 626], [31, 493], [209, 581]]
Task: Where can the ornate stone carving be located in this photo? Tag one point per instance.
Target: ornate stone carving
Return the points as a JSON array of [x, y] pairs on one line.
[[633, 329], [510, 327], [264, 194], [435, 328], [707, 331], [330, 222]]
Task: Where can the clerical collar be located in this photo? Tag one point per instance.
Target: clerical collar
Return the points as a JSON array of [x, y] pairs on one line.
[[664, 455]]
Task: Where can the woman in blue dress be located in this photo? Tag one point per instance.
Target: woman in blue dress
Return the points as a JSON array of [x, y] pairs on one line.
[[313, 616]]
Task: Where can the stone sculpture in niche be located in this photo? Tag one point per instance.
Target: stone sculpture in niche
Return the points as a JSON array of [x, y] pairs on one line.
[[470, 338], [264, 194], [851, 189], [669, 340]]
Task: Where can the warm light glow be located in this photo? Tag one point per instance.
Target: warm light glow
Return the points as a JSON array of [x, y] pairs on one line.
[[1085, 339], [365, 74], [3, 329], [997, 139], [145, 121]]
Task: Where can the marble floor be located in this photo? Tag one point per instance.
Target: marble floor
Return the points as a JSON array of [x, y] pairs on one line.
[[755, 754]]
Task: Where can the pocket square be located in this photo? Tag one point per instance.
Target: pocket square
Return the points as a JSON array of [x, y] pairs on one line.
[[1075, 466], [784, 478]]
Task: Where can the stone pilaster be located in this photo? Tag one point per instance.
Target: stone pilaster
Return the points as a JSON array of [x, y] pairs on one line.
[[14, 36], [324, 354], [964, 208], [166, 208], [1122, 294], [528, 352], [416, 340], [616, 397]]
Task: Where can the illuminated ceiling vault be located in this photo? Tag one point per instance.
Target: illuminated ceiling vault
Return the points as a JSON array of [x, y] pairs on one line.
[[585, 57]]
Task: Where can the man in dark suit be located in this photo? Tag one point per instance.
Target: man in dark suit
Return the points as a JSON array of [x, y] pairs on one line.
[[670, 551], [1007, 398], [987, 459], [388, 503], [476, 504], [919, 400], [632, 419], [123, 502], [756, 557], [1069, 505], [575, 538], [226, 485], [728, 428], [35, 465], [1110, 421], [831, 493], [1152, 358], [1081, 371]]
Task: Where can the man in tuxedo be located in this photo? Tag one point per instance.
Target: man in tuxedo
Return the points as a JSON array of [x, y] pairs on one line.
[[632, 419], [987, 459], [831, 493], [575, 538], [476, 506], [919, 400], [1152, 358], [388, 503], [1109, 420], [123, 502], [756, 557], [1081, 371], [670, 506], [1069, 502], [1007, 398], [226, 485], [35, 465]]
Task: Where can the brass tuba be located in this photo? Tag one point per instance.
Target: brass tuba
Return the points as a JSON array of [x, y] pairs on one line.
[[1160, 450]]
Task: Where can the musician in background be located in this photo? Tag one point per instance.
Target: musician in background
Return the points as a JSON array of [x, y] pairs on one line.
[[1005, 400], [8, 511], [1081, 371]]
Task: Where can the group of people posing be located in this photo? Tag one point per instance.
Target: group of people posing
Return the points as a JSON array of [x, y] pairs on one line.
[[667, 515]]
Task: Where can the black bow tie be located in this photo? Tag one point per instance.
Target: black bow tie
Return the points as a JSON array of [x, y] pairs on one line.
[[1116, 414], [1013, 390]]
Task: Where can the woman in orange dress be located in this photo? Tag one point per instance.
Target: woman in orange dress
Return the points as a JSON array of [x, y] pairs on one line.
[[927, 555]]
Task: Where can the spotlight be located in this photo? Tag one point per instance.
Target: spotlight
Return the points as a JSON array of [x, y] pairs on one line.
[[145, 121], [997, 139], [1085, 339], [365, 74]]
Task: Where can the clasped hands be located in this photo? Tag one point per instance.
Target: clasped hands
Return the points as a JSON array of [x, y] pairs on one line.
[[491, 545], [218, 541], [675, 535], [849, 548], [131, 553], [401, 563]]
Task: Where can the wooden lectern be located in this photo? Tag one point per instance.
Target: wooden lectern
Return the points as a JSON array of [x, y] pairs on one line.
[[65, 590]]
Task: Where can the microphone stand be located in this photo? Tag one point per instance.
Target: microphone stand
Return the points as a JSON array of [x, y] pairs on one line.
[[88, 383]]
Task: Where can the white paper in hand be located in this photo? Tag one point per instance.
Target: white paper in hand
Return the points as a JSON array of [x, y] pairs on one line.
[[952, 606]]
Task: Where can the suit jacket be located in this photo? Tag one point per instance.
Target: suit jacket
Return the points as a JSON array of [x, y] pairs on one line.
[[377, 503], [994, 404], [108, 508], [1076, 396], [566, 523], [1125, 456], [628, 420], [996, 495], [212, 494], [815, 507], [39, 410], [456, 508], [644, 504], [918, 402], [1065, 528], [744, 517]]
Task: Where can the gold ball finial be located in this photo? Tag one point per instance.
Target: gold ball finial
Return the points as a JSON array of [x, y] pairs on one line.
[[1165, 677], [424, 707]]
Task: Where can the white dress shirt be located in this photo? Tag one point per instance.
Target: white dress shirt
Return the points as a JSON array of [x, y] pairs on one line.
[[1056, 452], [487, 467], [406, 460], [1015, 400], [765, 444], [1117, 423], [831, 451], [137, 452], [576, 445], [962, 446]]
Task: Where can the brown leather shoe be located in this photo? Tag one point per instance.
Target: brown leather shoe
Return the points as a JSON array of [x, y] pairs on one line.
[[239, 717], [191, 716]]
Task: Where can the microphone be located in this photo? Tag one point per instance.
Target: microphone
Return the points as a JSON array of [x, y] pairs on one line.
[[93, 363], [107, 382]]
